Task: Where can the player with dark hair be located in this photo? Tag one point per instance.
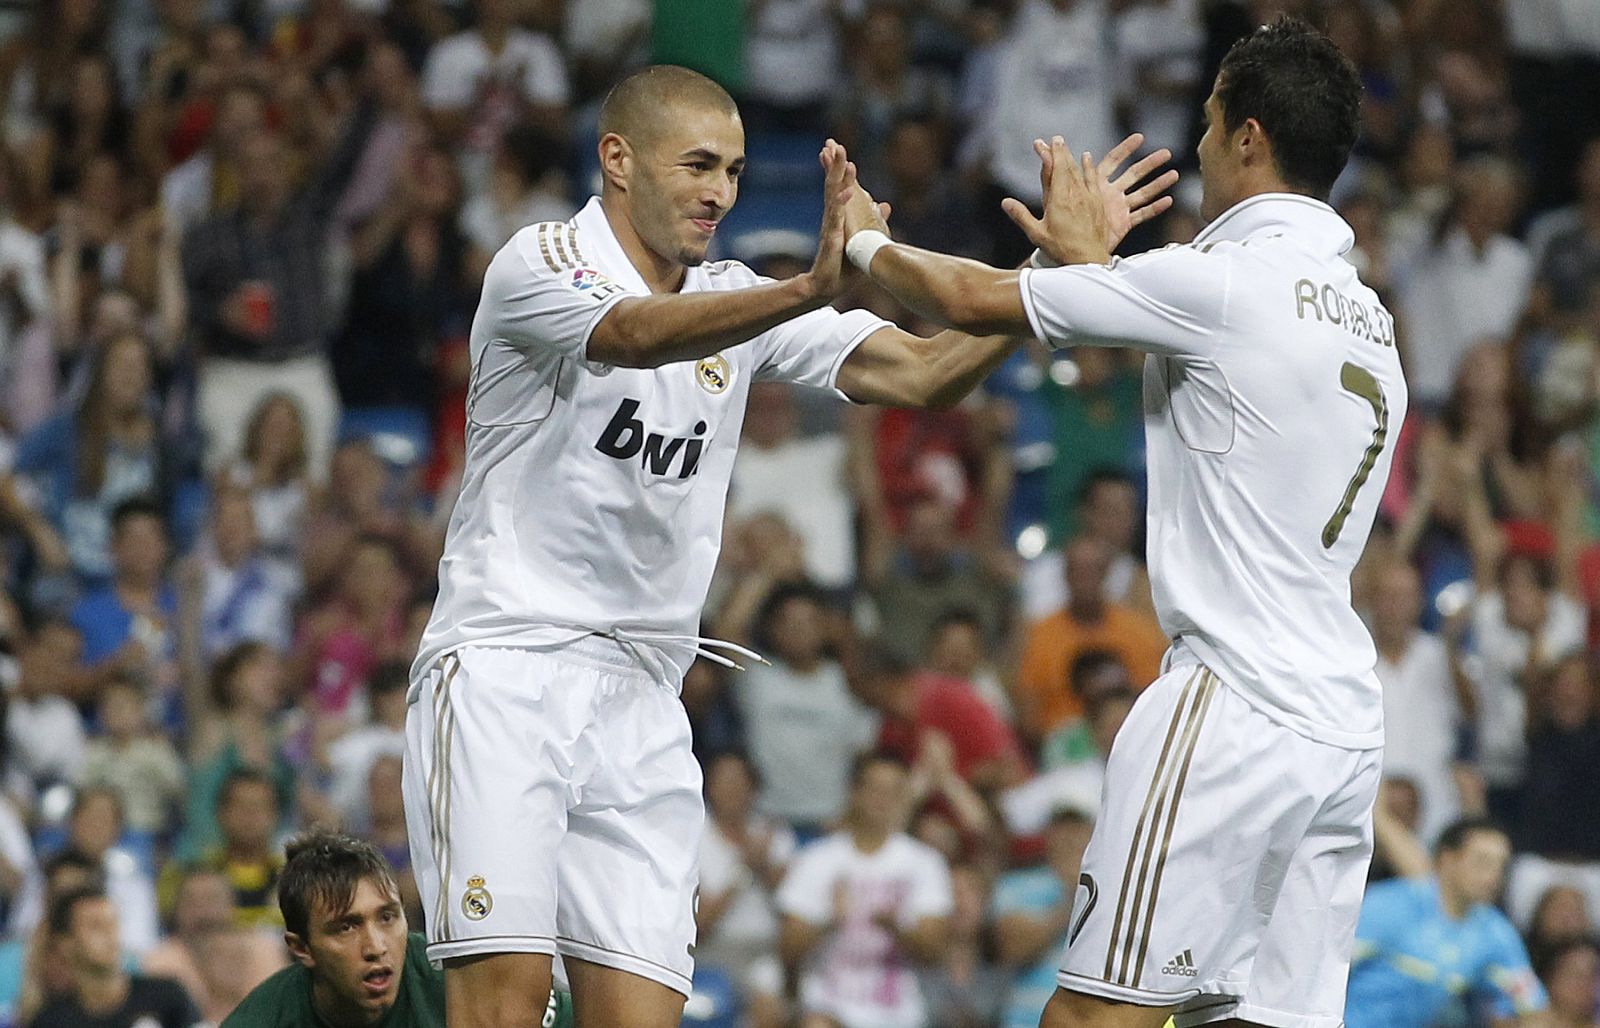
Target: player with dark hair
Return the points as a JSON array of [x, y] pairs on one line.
[[355, 965], [1225, 875], [552, 797]]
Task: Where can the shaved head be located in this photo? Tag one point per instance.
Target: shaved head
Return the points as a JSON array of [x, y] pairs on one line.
[[634, 107]]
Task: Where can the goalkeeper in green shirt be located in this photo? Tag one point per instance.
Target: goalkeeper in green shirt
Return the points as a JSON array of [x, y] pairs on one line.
[[355, 965]]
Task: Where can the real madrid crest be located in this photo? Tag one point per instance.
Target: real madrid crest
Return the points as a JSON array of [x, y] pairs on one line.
[[713, 373], [476, 901]]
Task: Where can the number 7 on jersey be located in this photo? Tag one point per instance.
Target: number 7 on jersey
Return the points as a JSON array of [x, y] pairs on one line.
[[1359, 381]]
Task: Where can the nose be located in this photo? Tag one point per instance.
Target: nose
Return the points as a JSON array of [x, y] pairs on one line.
[[720, 192]]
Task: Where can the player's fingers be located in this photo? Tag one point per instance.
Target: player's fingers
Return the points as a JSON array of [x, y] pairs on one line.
[[1143, 167], [1018, 212], [1152, 189], [883, 210], [1064, 167], [1119, 153], [1143, 214]]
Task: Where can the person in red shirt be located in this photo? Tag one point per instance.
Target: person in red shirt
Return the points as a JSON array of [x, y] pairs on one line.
[[915, 702]]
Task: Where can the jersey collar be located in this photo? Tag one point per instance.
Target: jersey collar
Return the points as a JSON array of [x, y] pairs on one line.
[[609, 257], [604, 252], [1310, 221]]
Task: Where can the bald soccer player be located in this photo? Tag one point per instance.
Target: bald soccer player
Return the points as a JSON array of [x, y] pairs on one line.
[[553, 800]]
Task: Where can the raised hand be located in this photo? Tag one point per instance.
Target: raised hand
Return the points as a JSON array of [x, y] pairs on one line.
[[839, 183], [861, 212], [1089, 206]]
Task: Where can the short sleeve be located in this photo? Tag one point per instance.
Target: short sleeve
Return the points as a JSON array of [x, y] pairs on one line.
[[541, 294], [807, 890], [1507, 977], [810, 350], [931, 892], [1169, 301]]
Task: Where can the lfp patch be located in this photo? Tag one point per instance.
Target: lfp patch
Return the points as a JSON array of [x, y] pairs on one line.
[[587, 278]]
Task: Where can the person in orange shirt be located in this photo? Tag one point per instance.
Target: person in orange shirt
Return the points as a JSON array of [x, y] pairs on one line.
[[1089, 621]]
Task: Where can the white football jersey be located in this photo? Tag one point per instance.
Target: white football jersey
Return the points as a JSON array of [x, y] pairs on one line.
[[1273, 396], [592, 497]]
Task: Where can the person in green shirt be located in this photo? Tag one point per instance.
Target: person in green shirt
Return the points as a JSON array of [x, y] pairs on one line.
[[355, 963]]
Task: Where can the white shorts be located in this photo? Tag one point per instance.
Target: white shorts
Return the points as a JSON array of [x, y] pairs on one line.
[[553, 805], [1226, 870]]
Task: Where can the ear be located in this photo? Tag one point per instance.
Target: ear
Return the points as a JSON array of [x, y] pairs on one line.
[[1252, 141], [616, 160], [299, 950]]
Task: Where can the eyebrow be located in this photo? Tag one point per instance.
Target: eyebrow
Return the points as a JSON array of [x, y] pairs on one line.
[[702, 154]]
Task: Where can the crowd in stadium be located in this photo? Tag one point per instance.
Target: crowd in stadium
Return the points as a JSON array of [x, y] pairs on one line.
[[240, 250]]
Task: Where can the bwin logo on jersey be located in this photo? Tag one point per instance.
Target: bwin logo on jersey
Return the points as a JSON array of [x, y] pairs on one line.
[[625, 438]]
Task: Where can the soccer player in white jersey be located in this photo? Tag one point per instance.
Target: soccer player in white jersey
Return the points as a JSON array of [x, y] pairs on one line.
[[552, 797], [1227, 866]]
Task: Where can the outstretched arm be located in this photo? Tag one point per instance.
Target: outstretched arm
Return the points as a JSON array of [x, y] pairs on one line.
[[983, 305], [1088, 209]]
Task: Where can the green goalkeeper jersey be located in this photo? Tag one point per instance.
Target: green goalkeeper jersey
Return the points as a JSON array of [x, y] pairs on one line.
[[284, 1000]]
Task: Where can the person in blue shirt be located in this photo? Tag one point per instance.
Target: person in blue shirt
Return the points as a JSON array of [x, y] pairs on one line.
[[1033, 915], [1433, 950]]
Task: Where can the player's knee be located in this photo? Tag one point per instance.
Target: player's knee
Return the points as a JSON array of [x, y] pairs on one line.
[[498, 991]]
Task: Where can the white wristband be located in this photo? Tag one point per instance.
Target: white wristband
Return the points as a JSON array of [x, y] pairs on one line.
[[864, 245], [1040, 259]]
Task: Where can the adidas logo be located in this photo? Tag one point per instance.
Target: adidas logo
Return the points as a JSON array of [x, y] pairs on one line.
[[1182, 964]]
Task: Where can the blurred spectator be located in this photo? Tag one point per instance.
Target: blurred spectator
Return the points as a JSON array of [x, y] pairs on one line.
[[1095, 402], [93, 830], [1033, 913], [526, 186], [273, 467], [352, 755], [1469, 285], [916, 703], [1094, 677], [1561, 915], [773, 456], [1425, 687], [1158, 42], [215, 960], [384, 826], [24, 291], [1554, 847], [950, 457], [957, 649], [864, 906], [803, 724], [930, 571], [743, 856], [367, 503], [247, 815], [256, 278], [480, 82], [1053, 75], [410, 288], [238, 725], [44, 731], [886, 88], [1107, 509], [1565, 244], [233, 592], [791, 64], [1448, 924], [103, 993], [1045, 699], [209, 180], [86, 461], [1571, 977], [930, 209], [129, 626], [1075, 771], [139, 765], [1522, 630], [967, 990], [362, 626]]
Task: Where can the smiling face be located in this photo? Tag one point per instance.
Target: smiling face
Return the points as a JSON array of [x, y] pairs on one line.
[[355, 955], [680, 178]]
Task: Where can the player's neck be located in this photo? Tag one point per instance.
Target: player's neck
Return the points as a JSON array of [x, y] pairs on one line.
[[1455, 905], [661, 274]]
